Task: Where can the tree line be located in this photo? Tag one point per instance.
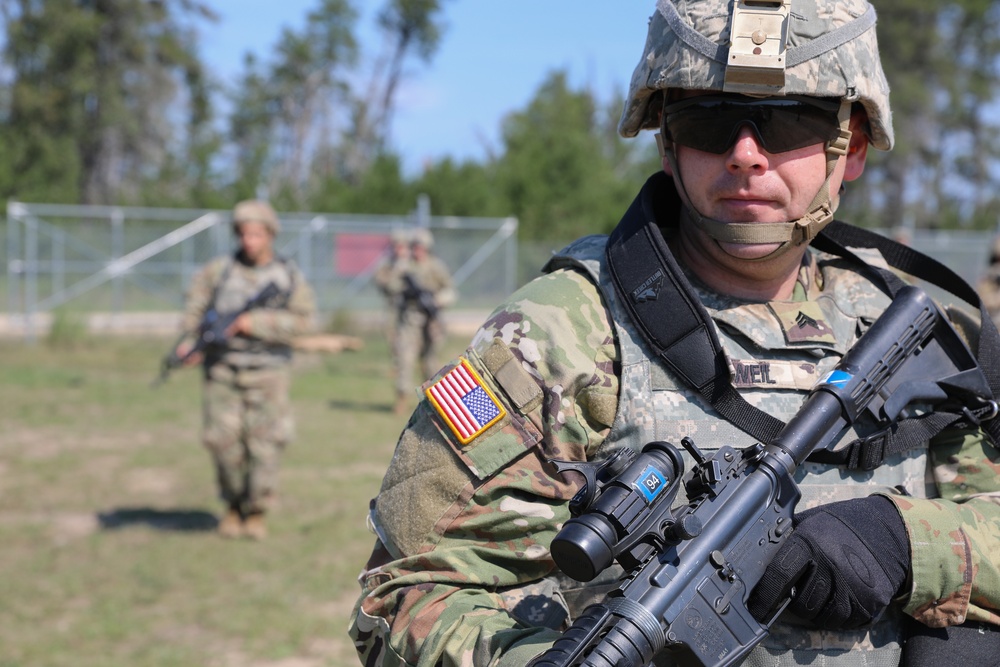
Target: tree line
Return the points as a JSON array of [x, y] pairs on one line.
[[108, 102]]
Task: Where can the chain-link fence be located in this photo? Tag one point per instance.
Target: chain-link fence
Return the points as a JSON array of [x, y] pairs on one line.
[[124, 261], [127, 262], [966, 253]]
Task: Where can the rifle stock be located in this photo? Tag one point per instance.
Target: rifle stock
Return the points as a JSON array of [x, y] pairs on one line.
[[689, 570]]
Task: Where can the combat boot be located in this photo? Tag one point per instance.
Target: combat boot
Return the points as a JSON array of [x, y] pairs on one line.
[[231, 525], [401, 406], [254, 526]]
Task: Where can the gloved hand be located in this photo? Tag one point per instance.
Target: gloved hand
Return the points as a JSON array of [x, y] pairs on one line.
[[846, 561]]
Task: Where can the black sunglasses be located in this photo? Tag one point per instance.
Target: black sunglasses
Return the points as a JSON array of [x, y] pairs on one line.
[[711, 123]]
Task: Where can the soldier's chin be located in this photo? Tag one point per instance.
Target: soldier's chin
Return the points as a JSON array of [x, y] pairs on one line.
[[748, 250]]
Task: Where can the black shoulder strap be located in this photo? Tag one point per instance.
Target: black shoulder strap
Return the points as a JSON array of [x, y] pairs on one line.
[[674, 323]]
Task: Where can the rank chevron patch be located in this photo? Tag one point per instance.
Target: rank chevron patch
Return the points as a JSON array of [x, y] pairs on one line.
[[465, 404]]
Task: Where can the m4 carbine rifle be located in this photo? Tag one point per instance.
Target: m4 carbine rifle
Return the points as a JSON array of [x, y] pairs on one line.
[[423, 298], [689, 570], [212, 330]]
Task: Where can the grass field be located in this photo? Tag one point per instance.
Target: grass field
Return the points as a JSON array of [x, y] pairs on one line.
[[108, 510]]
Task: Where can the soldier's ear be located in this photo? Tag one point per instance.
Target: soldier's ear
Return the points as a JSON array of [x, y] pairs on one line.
[[667, 167], [857, 149]]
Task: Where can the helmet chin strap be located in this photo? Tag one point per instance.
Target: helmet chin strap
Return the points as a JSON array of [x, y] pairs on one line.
[[788, 234]]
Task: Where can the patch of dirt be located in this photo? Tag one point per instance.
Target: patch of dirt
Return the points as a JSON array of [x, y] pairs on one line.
[[64, 527], [71, 526], [328, 343], [150, 481], [42, 443]]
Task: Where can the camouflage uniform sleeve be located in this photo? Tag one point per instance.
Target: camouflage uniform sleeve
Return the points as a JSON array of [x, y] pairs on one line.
[[444, 289], [199, 295], [281, 325], [954, 539], [458, 573], [388, 277]]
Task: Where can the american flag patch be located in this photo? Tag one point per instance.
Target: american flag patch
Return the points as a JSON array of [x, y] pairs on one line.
[[464, 402]]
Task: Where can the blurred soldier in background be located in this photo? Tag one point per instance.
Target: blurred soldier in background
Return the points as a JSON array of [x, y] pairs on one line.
[[388, 279], [247, 414], [989, 283], [424, 286], [573, 367]]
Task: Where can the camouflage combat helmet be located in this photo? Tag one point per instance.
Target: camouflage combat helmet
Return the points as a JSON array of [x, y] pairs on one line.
[[399, 237], [816, 48], [254, 210], [422, 237]]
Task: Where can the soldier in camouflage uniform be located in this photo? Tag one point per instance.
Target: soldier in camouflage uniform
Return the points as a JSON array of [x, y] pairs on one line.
[[421, 288], [247, 415], [388, 281], [461, 572], [989, 283]]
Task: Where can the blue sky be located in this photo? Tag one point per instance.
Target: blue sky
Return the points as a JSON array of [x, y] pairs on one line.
[[491, 60]]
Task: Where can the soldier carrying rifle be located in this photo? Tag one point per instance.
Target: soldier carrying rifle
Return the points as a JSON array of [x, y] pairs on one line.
[[764, 112], [248, 420], [417, 286]]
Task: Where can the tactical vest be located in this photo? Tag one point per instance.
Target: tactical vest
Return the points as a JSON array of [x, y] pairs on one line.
[[237, 283], [776, 352]]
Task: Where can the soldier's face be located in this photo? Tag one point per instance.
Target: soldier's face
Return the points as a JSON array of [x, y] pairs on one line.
[[746, 183], [256, 242]]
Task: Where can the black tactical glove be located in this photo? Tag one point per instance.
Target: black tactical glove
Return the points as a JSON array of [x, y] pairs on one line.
[[846, 562]]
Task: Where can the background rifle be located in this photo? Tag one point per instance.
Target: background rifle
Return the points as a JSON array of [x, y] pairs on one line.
[[689, 571], [212, 330], [414, 293]]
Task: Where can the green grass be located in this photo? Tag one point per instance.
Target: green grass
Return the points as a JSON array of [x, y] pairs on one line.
[[108, 511]]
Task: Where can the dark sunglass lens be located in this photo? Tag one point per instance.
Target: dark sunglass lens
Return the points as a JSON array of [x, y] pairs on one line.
[[705, 127], [788, 128], [712, 125], [688, 130]]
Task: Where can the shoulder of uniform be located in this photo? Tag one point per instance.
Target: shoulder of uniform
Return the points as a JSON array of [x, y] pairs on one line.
[[220, 262], [870, 256], [215, 267], [565, 288], [587, 248], [591, 244], [554, 322], [845, 272], [288, 263]]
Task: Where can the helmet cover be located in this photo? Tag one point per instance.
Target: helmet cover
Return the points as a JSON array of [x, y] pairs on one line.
[[832, 51], [254, 210]]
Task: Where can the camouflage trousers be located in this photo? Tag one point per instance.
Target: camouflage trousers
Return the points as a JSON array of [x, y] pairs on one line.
[[247, 423], [417, 339]]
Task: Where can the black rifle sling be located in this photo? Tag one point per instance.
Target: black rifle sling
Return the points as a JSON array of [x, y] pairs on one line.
[[674, 323]]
